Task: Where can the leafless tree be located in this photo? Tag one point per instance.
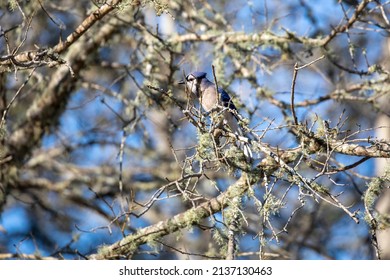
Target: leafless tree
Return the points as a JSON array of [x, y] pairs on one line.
[[104, 156]]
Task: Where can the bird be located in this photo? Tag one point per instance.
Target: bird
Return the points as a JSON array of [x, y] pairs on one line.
[[198, 84]]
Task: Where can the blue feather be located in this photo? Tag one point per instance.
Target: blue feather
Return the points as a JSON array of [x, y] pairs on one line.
[[226, 100], [198, 75]]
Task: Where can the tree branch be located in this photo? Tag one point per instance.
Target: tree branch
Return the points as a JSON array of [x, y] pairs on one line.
[[46, 109], [126, 247], [34, 58], [340, 29]]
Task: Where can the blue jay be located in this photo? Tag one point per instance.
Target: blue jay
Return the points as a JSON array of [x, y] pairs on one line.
[[200, 86]]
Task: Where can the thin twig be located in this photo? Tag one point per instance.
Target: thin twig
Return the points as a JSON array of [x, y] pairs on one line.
[[311, 62], [231, 244], [340, 29], [216, 84], [185, 253], [293, 93], [5, 112], [296, 69]]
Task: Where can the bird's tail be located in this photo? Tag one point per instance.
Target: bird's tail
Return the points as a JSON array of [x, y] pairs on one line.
[[247, 151], [243, 142]]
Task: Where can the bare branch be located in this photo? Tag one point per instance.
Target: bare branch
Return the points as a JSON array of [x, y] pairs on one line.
[[126, 247]]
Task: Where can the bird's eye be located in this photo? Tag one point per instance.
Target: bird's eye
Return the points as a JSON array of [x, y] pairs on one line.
[[190, 79]]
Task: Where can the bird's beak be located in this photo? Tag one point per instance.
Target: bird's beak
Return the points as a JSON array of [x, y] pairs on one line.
[[182, 82]]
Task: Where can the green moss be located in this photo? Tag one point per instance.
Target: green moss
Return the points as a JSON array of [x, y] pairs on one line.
[[205, 148], [235, 191], [319, 188], [271, 206], [104, 251], [234, 154], [12, 5], [160, 6], [232, 214], [150, 240], [219, 237], [375, 188], [373, 191], [191, 217]]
